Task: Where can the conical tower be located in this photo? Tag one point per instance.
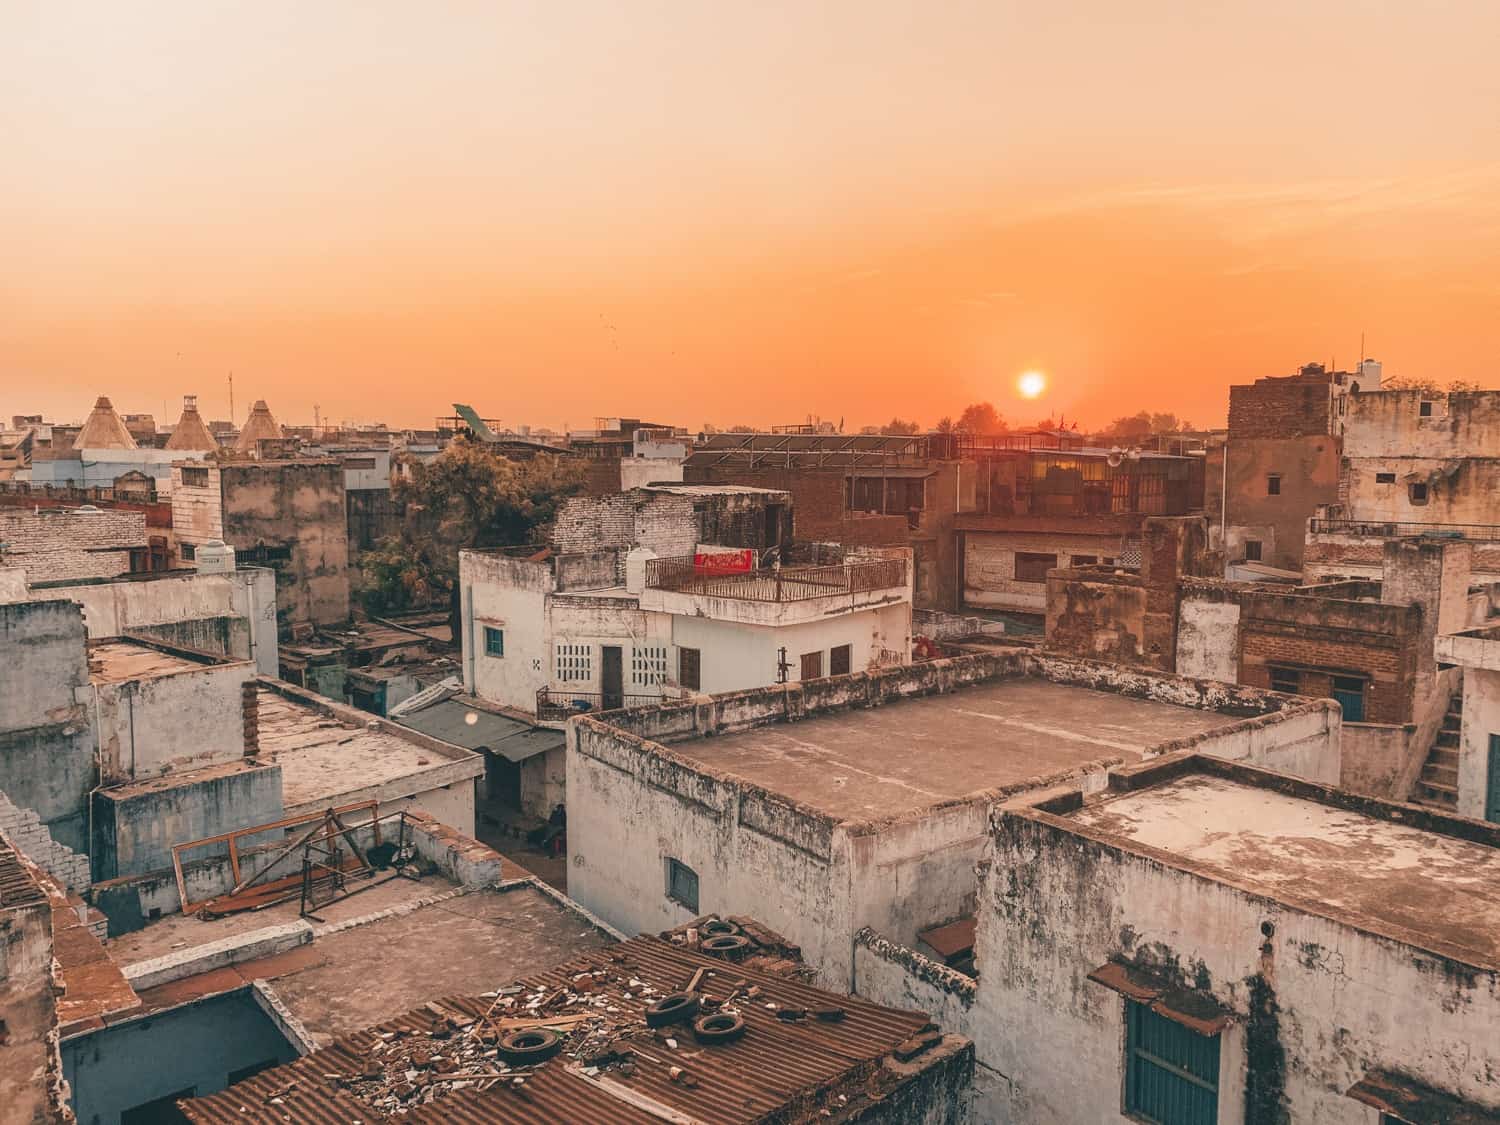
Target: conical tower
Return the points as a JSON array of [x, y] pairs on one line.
[[258, 426], [104, 430], [191, 434]]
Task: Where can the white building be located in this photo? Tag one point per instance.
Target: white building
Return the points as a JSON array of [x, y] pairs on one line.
[[640, 600], [865, 800], [1475, 761], [1207, 942]]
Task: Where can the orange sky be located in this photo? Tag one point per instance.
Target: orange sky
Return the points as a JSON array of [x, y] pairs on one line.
[[738, 213]]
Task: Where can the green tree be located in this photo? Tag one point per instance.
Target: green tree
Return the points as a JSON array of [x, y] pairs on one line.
[[467, 496], [981, 418]]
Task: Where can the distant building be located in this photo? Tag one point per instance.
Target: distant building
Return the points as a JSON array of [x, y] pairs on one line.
[[289, 515], [73, 543]]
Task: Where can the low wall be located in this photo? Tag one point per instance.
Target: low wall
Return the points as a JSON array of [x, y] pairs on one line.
[[1374, 757]]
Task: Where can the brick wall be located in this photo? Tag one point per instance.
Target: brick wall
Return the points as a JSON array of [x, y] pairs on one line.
[[60, 546], [1295, 406], [594, 523]]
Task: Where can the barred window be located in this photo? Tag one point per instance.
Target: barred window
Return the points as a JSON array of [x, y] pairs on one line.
[[648, 665], [575, 664]]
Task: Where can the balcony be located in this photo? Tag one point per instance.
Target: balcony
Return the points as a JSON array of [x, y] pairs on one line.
[[1480, 532], [686, 575], [556, 705]]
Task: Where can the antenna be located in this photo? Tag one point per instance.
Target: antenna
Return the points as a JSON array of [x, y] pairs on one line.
[[231, 397], [1362, 355]]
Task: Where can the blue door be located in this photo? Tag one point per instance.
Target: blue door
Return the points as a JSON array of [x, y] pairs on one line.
[[1349, 694]]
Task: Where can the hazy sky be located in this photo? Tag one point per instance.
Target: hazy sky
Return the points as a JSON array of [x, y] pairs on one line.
[[738, 212]]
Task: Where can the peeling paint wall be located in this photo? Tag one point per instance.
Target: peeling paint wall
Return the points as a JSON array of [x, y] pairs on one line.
[[1208, 633], [180, 721]]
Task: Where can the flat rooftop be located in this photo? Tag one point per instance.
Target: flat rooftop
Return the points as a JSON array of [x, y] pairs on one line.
[[1425, 888], [1004, 733], [323, 756], [116, 661], [434, 943]]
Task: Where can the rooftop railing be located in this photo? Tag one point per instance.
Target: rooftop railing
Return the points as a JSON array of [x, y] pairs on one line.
[[558, 703], [1484, 532], [684, 574]]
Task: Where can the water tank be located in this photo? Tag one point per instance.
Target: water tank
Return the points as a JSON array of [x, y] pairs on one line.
[[635, 569], [215, 557], [1369, 375]]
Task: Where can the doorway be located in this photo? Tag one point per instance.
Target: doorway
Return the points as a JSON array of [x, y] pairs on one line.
[[612, 677]]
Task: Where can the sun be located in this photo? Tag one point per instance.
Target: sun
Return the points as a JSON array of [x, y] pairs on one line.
[[1031, 384]]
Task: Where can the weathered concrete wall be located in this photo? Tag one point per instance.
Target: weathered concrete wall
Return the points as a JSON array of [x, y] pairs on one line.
[[194, 1046], [1099, 615], [1315, 989], [135, 826], [28, 1062], [232, 614], [1208, 631], [1389, 424], [182, 720], [989, 562], [510, 595], [1308, 468], [672, 524], [1374, 758], [46, 728], [1481, 722], [544, 781]]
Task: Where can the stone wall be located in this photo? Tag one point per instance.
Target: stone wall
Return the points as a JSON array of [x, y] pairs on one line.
[[72, 544], [1289, 407]]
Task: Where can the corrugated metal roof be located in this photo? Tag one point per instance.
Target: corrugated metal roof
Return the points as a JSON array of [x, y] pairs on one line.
[[776, 1067], [449, 720]]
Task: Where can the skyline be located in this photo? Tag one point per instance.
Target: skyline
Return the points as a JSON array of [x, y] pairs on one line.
[[739, 216]]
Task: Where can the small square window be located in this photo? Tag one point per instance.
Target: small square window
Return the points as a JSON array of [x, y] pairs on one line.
[[1385, 478], [682, 884], [1033, 567], [189, 552], [1083, 560], [840, 657], [1252, 550], [1417, 492], [194, 478], [1287, 680], [494, 641], [1273, 484], [1425, 410]]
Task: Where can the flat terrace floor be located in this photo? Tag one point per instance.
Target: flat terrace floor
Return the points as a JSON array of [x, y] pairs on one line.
[[1435, 890], [113, 662], [345, 981], [907, 754]]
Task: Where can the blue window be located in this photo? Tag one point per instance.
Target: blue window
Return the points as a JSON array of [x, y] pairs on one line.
[[682, 884], [1492, 794], [494, 641], [1171, 1072]]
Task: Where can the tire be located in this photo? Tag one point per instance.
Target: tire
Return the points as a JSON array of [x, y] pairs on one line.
[[719, 1028], [533, 1045], [728, 946], [719, 927], [678, 1007]]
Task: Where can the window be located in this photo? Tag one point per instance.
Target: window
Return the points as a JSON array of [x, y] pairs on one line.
[[189, 552], [1083, 560], [194, 478], [1288, 680], [1108, 560], [575, 663], [1385, 478], [1033, 568], [839, 659], [1349, 694], [359, 462], [1417, 492], [494, 641], [264, 554], [1171, 1072], [1424, 410], [1273, 484], [1252, 550], [648, 665], [682, 884], [812, 665], [689, 668]]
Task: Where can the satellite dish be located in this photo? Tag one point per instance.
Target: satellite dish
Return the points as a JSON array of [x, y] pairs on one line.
[[1116, 455]]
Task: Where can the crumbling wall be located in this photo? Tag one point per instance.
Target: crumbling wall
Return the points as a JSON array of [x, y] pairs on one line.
[[1099, 614], [46, 729], [1059, 905], [1208, 630], [72, 544], [29, 1070]]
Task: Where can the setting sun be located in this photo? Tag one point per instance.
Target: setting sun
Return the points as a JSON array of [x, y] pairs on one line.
[[1031, 384]]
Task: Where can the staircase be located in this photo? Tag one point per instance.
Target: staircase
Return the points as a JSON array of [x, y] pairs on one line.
[[1437, 787]]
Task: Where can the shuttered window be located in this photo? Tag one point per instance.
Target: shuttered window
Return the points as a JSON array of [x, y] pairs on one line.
[[689, 669], [1171, 1072]]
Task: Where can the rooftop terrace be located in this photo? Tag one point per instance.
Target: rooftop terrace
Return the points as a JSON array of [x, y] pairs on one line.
[[116, 661], [1430, 881], [998, 734]]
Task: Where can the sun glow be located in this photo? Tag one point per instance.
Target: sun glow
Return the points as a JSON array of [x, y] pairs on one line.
[[1031, 384]]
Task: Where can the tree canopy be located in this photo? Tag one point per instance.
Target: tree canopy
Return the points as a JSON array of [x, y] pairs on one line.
[[467, 496], [981, 418]]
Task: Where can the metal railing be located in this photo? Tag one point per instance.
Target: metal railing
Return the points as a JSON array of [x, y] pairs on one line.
[[1486, 532], [789, 584], [556, 704]]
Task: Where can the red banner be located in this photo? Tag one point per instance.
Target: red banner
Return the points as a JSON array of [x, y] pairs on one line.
[[724, 562]]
